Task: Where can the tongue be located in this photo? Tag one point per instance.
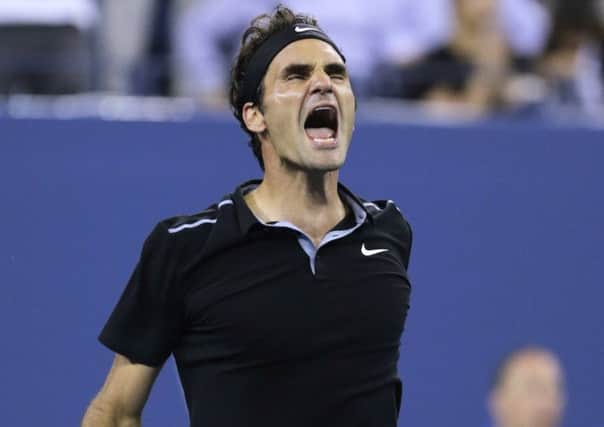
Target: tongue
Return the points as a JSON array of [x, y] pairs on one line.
[[320, 133]]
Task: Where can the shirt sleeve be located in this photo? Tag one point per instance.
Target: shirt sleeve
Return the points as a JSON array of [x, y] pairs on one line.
[[146, 323], [403, 232], [409, 244]]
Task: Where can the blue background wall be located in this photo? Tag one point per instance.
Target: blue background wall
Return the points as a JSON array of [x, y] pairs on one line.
[[509, 236]]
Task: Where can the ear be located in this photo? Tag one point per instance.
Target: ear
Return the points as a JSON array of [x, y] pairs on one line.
[[253, 118]]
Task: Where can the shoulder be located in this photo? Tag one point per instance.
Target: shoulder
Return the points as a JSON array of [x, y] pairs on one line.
[[191, 231], [383, 209], [388, 216], [383, 214], [389, 221]]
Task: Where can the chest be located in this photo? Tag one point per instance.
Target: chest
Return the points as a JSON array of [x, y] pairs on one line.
[[261, 300]]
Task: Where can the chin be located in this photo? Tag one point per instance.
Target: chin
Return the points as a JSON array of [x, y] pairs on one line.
[[327, 166], [312, 167]]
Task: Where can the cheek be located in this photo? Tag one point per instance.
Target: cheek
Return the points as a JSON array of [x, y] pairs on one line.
[[284, 95], [349, 112], [523, 409], [285, 107], [284, 99], [280, 113], [511, 408]]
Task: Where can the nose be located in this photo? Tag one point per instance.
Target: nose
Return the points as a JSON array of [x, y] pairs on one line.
[[321, 82]]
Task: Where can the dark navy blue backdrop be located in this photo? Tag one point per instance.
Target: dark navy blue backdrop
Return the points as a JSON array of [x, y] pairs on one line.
[[509, 236]]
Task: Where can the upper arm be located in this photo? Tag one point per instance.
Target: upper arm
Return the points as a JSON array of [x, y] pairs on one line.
[[127, 387], [147, 322]]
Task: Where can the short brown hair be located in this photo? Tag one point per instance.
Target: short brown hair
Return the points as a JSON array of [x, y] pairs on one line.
[[260, 29]]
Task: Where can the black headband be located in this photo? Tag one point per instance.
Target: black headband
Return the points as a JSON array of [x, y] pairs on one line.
[[262, 58]]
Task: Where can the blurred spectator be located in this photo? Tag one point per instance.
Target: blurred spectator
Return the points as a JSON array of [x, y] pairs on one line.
[[46, 46], [371, 32], [468, 71], [526, 25], [489, 42], [208, 33], [151, 74], [572, 63], [528, 390], [206, 36], [124, 32]]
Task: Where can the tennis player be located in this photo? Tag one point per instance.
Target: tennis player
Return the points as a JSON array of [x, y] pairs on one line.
[[283, 304]]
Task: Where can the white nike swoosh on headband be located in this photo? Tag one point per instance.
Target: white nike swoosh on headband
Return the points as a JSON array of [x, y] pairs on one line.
[[302, 29]]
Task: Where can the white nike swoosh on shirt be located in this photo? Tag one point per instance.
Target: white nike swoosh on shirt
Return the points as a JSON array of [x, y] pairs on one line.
[[369, 252], [302, 29]]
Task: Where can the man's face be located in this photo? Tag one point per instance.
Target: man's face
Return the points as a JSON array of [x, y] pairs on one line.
[[308, 106], [531, 393]]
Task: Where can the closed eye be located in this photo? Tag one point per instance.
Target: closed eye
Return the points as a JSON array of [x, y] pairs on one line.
[[297, 71], [295, 77], [303, 71], [336, 70]]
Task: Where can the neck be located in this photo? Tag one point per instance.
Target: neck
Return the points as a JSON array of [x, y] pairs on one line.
[[307, 199]]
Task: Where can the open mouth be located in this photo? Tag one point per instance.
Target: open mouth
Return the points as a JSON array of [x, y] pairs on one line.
[[321, 125]]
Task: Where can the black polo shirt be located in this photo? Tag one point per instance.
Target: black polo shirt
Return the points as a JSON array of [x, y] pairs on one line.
[[266, 329]]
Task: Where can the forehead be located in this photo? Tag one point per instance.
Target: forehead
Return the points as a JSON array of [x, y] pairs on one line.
[[306, 51], [542, 366]]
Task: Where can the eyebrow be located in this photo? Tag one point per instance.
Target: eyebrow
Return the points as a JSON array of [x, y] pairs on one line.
[[336, 68], [306, 69], [302, 69]]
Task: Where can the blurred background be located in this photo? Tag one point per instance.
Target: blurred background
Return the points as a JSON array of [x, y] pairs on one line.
[[459, 58], [482, 119]]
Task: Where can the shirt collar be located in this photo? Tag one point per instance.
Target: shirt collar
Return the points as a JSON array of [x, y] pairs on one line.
[[247, 219]]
